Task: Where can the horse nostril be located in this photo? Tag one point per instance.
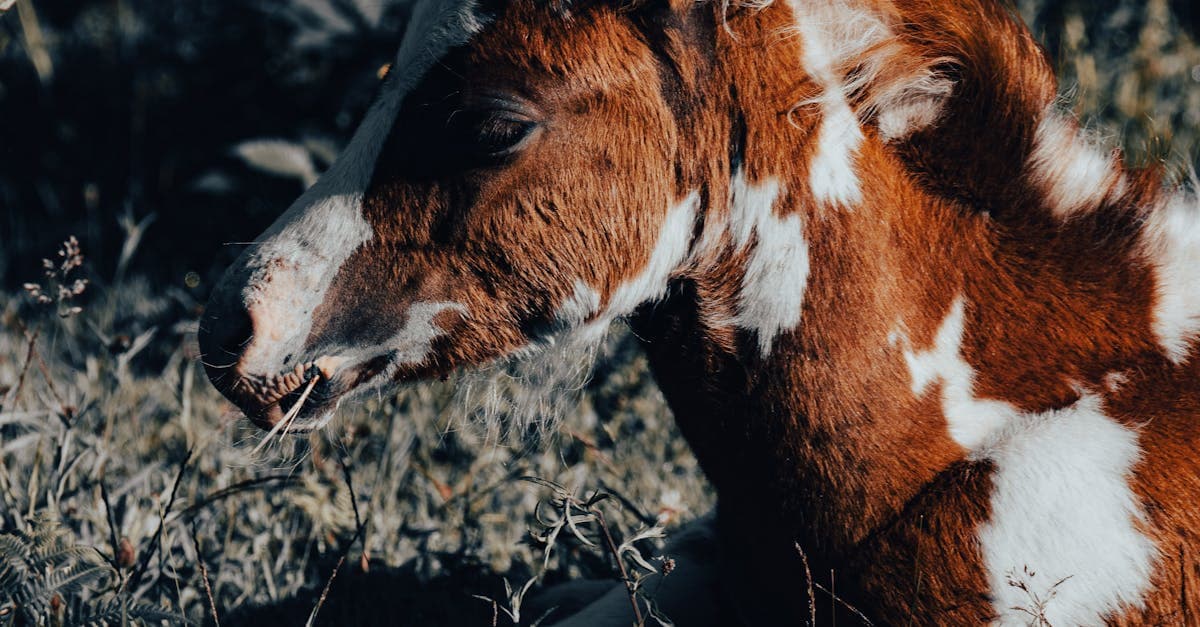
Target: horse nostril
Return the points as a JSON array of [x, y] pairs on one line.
[[224, 335]]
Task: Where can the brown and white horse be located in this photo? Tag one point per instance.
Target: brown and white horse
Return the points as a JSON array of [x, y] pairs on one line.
[[906, 315]]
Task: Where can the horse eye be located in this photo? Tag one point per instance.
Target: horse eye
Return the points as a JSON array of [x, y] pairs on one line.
[[490, 133]]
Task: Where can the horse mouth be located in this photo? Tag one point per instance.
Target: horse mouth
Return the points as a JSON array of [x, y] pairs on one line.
[[304, 399], [298, 401]]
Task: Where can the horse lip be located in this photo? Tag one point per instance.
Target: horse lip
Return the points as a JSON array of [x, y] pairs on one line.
[[261, 397]]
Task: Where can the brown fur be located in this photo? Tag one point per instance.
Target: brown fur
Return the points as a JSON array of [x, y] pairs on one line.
[[821, 443]]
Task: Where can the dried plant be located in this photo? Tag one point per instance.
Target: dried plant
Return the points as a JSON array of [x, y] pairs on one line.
[[45, 579], [579, 516], [1038, 601], [61, 287]]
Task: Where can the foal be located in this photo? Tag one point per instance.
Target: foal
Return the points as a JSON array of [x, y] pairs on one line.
[[907, 317]]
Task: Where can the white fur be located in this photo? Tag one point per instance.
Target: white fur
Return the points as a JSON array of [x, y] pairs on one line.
[[1073, 171], [669, 253], [580, 306], [290, 268], [776, 273], [903, 109], [1171, 244], [1062, 511], [836, 34], [972, 422], [833, 174], [1061, 502], [412, 344]]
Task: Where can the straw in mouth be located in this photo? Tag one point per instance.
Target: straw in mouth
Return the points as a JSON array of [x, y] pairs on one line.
[[286, 422]]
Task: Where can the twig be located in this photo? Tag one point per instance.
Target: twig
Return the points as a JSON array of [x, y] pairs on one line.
[[312, 618], [643, 517], [212, 604], [359, 527], [812, 603], [45, 370], [16, 391], [35, 356], [112, 523], [844, 603], [229, 491], [358, 524], [35, 41], [612, 548], [133, 581], [291, 415]]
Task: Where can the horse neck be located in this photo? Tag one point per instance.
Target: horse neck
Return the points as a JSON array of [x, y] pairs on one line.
[[826, 324], [784, 360]]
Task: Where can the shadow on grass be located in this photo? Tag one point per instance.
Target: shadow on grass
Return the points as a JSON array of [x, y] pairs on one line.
[[382, 596]]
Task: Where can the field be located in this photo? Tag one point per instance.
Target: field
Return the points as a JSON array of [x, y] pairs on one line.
[[143, 496]]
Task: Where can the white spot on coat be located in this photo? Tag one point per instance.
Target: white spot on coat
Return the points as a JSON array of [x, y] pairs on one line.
[[1074, 173], [914, 104], [580, 306], [835, 34], [1171, 244], [413, 343], [1064, 519], [776, 273], [551, 370], [670, 251], [833, 172], [972, 422]]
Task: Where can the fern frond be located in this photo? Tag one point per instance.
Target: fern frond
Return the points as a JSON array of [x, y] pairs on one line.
[[111, 613], [75, 576]]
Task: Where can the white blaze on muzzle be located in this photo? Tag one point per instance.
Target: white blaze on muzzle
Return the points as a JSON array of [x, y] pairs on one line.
[[284, 277]]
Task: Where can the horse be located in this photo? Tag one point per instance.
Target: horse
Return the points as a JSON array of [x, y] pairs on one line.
[[934, 347]]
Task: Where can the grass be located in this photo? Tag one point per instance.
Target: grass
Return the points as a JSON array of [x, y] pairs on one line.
[[110, 429], [114, 448]]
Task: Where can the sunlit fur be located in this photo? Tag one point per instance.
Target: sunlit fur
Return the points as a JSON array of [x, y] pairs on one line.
[[910, 316]]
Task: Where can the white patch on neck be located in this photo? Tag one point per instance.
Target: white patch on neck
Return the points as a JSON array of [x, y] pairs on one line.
[[833, 176], [1062, 509], [410, 346], [293, 263], [776, 273], [834, 32], [1073, 171], [972, 422], [1064, 520], [906, 107], [580, 306], [1171, 244]]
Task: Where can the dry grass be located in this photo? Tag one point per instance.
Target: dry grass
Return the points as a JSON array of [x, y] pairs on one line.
[[116, 433]]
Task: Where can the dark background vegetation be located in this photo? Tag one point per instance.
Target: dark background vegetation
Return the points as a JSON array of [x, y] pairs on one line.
[[164, 132], [112, 108]]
